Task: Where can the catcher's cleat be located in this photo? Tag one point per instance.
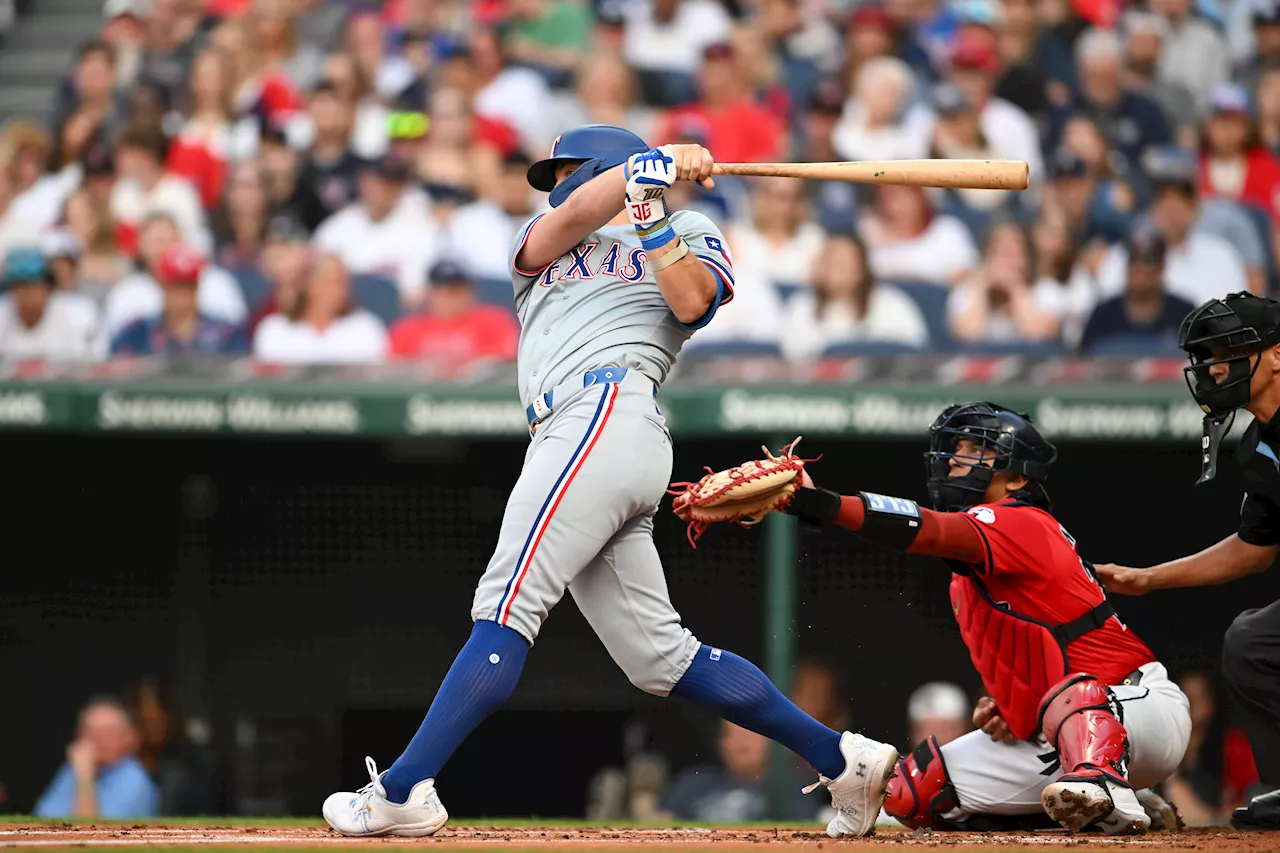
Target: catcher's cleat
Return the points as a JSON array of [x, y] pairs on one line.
[[368, 812], [743, 495], [859, 791], [1083, 800]]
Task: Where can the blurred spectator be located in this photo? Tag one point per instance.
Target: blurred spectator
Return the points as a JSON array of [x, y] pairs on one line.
[[102, 777], [176, 31], [847, 305], [493, 220], [870, 33], [454, 327], [207, 140], [145, 189], [550, 36], [457, 140], [36, 196], [1022, 81], [664, 41], [1144, 34], [364, 40], [179, 329], [606, 94], [330, 170], [734, 791], [835, 203], [514, 95], [264, 96], [241, 222], [1062, 287], [780, 243], [1218, 767], [938, 708], [286, 255], [182, 766], [973, 70], [101, 265], [1268, 99], [124, 28], [1200, 265], [1233, 164], [387, 232], [1265, 20], [325, 326], [996, 303], [815, 689], [90, 97], [62, 250], [879, 121], [141, 295], [804, 45], [1146, 310], [369, 133], [957, 134], [279, 163], [1194, 52], [908, 241], [1098, 205], [1130, 121], [275, 36], [737, 129], [36, 321]]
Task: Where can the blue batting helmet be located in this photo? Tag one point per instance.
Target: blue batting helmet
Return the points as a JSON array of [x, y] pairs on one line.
[[610, 145]]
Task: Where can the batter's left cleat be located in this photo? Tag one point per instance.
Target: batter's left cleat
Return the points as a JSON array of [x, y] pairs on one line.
[[1081, 801], [859, 791], [368, 812]]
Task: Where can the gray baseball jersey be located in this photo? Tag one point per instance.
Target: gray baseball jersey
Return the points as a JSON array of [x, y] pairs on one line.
[[599, 337]]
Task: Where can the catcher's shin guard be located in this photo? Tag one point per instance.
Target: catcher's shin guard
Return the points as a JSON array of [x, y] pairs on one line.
[[921, 792], [1078, 718]]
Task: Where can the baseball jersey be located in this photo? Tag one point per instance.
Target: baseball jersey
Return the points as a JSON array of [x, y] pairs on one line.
[[1260, 512], [599, 305], [1032, 566]]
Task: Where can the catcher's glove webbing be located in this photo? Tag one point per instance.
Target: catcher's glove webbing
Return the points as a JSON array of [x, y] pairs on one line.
[[744, 494]]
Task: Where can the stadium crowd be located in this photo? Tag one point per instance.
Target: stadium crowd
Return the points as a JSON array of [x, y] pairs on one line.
[[337, 181]]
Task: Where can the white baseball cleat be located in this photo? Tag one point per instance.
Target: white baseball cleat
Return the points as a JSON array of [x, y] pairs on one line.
[[859, 791], [1077, 802], [368, 811]]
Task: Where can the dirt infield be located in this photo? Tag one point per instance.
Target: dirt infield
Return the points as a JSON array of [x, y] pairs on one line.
[[546, 838]]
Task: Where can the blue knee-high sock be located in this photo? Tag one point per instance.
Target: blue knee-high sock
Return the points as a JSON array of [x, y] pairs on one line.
[[480, 680], [739, 692]]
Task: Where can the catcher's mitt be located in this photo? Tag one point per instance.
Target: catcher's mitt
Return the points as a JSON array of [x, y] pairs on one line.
[[744, 494]]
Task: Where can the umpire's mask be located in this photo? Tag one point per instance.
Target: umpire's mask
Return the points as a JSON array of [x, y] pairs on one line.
[[1231, 332]]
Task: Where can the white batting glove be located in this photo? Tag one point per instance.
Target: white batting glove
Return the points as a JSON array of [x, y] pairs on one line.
[[649, 175]]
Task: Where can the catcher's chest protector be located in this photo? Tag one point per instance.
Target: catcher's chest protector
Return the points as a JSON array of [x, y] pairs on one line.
[[1018, 658]]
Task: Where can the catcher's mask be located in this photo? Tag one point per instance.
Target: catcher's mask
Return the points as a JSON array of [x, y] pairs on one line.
[[1229, 332], [1007, 439]]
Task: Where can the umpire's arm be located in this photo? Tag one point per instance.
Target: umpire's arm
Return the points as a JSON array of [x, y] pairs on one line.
[[1228, 560]]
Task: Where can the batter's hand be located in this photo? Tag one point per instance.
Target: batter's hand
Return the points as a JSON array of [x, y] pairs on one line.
[[693, 163], [986, 716], [1123, 579]]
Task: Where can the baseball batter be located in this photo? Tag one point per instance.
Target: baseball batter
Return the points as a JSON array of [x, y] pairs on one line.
[[1080, 717], [608, 286]]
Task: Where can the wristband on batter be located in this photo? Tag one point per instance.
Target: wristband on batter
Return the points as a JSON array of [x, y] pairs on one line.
[[815, 507], [890, 521], [656, 235], [681, 249]]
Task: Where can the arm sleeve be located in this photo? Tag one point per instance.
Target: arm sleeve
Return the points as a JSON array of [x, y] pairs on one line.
[[707, 244], [1259, 520]]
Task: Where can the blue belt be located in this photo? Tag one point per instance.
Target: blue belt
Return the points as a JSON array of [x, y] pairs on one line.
[[540, 408]]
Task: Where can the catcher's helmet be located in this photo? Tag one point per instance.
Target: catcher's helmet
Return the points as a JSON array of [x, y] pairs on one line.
[[1006, 435], [609, 144]]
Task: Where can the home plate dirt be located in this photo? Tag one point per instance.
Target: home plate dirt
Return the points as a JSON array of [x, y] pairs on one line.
[[549, 837]]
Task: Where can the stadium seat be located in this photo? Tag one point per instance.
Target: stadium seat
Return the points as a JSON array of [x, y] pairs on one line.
[[253, 285], [932, 300], [1135, 345], [1052, 348], [788, 289], [379, 295], [852, 349], [733, 349], [494, 291]]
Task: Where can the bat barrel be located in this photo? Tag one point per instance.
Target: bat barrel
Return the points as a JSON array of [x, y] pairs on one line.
[[946, 174]]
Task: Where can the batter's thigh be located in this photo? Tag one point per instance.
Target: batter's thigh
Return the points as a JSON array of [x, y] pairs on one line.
[[1157, 717], [591, 468], [998, 778], [623, 595]]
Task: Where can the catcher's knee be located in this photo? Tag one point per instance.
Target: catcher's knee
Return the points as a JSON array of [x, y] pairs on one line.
[[921, 793], [1075, 694]]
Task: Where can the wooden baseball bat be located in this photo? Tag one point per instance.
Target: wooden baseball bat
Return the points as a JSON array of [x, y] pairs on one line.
[[950, 174]]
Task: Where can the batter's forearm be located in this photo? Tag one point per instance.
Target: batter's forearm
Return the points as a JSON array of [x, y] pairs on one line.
[[587, 209], [1228, 560], [687, 285]]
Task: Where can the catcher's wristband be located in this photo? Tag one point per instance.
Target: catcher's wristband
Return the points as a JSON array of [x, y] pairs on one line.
[[681, 249], [815, 507], [890, 521]]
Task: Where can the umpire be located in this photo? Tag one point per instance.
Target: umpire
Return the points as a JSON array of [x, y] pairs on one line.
[[1234, 346]]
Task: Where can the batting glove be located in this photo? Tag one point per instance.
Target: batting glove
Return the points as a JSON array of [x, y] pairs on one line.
[[649, 175]]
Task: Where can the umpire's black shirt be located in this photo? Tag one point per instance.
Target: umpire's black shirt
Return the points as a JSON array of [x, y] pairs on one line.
[[1259, 458]]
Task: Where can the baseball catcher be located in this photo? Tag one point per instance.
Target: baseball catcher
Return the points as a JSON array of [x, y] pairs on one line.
[[1079, 715]]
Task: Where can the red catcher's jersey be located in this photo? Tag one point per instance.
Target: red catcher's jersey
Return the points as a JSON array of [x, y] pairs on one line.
[[1032, 566]]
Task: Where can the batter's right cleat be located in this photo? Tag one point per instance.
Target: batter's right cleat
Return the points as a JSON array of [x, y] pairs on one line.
[[859, 792], [1164, 814], [368, 812], [1081, 801]]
